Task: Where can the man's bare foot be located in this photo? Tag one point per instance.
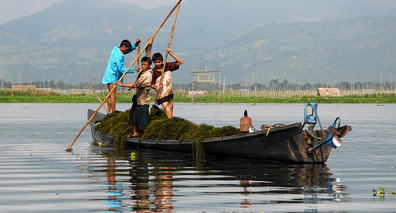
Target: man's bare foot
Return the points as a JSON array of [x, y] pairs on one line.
[[132, 135]]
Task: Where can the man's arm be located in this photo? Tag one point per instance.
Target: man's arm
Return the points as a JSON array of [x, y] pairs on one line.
[[149, 46], [155, 87], [133, 47], [124, 69], [119, 83], [178, 60], [138, 40]]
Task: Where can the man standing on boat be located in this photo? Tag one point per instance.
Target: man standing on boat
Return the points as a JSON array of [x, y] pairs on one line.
[[140, 116], [162, 82], [115, 69]]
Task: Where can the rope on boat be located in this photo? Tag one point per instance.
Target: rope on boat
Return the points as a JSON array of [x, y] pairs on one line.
[[264, 127], [329, 136], [312, 135], [312, 119], [268, 131]]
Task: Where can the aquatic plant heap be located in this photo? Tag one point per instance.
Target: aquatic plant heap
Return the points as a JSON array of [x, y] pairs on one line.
[[162, 128], [117, 124]]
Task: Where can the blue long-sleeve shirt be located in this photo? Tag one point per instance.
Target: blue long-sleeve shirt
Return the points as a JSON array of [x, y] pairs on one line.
[[115, 67]]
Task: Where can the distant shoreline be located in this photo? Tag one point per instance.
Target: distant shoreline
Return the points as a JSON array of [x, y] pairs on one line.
[[8, 96]]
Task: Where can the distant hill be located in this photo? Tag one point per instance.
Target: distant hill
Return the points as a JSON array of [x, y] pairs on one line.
[[255, 41], [358, 49]]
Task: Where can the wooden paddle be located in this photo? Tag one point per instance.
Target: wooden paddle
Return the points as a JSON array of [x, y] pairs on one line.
[[112, 90], [97, 96], [166, 56]]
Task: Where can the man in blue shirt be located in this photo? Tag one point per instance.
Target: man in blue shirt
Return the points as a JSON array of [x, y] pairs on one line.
[[115, 69]]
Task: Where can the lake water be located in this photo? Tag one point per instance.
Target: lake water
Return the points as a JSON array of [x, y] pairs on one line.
[[38, 175]]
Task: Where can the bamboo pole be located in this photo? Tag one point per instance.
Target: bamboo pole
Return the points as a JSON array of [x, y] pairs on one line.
[[138, 64], [112, 90], [97, 96], [166, 55], [138, 60]]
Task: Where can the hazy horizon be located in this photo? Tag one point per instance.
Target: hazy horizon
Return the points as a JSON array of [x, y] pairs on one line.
[[12, 10]]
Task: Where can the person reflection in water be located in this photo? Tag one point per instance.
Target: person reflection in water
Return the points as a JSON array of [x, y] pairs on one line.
[[114, 190], [245, 184], [140, 184], [163, 190]]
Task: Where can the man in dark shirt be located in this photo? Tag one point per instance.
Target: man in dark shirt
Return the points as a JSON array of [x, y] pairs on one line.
[[164, 89]]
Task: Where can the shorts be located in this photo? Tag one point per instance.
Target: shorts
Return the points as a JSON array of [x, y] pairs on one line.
[[165, 99]]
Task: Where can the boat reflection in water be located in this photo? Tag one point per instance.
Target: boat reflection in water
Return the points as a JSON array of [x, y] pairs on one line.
[[313, 181], [158, 180]]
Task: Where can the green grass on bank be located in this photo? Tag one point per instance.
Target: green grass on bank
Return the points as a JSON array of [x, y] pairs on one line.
[[33, 96], [354, 99]]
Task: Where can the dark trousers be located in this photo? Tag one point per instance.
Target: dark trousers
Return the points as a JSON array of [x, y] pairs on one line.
[[139, 117]]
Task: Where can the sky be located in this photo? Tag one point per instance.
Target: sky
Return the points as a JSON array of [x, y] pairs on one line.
[[14, 9]]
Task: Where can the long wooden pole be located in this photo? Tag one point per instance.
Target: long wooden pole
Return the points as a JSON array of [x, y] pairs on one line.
[[97, 96], [138, 61], [112, 90], [138, 64], [166, 55]]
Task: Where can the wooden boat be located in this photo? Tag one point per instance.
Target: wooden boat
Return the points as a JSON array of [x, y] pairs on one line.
[[288, 143]]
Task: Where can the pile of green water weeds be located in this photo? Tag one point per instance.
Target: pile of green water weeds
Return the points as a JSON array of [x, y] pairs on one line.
[[117, 125], [161, 128]]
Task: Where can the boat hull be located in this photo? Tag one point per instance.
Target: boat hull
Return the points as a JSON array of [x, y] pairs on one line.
[[284, 143]]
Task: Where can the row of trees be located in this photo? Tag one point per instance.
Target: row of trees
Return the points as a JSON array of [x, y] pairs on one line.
[[278, 85], [343, 85], [274, 85]]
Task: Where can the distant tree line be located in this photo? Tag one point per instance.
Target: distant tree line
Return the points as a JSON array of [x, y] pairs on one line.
[[273, 85], [50, 84], [278, 85]]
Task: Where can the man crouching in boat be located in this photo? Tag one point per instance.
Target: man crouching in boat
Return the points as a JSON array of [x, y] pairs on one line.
[[140, 116]]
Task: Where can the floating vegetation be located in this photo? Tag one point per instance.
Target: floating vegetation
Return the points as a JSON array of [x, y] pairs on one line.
[[381, 192], [133, 156], [101, 144], [162, 128]]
